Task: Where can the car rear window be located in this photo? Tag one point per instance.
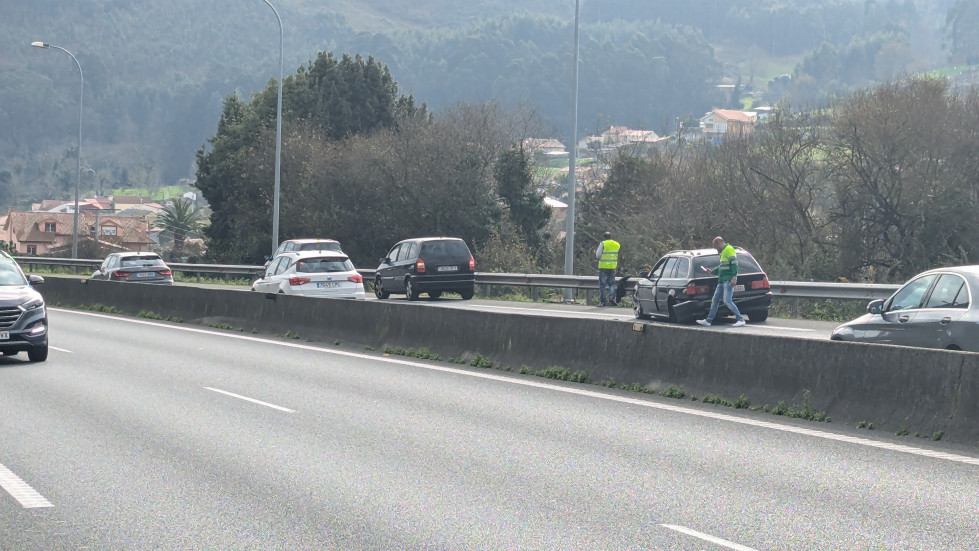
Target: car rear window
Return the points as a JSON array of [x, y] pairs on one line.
[[320, 265], [133, 261], [445, 251], [324, 246], [746, 264]]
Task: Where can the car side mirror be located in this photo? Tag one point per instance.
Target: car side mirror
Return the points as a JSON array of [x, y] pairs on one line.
[[385, 260], [876, 307], [35, 280]]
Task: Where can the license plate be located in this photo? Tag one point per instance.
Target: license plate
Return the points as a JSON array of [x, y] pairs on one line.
[[738, 288], [327, 284], [145, 274], [4, 335], [448, 268]]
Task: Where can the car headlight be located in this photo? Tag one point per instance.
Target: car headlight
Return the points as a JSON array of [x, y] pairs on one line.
[[33, 304]]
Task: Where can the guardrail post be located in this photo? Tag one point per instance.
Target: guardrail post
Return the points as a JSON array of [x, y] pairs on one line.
[[535, 294], [794, 307]]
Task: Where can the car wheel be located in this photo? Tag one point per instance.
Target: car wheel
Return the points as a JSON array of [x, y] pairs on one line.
[[379, 291], [410, 291], [467, 294], [637, 309], [38, 353], [757, 317], [434, 294]]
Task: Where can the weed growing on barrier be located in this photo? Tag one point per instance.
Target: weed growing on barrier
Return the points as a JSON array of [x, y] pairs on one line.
[[369, 348], [865, 425], [481, 361], [225, 326], [938, 435], [149, 315], [673, 391], [903, 431], [460, 361], [99, 307], [421, 353], [336, 343], [290, 335], [564, 374], [636, 387], [609, 382]]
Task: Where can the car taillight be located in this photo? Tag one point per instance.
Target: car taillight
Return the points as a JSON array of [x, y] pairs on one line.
[[420, 266], [761, 284], [356, 278], [165, 272], [121, 275], [472, 264], [692, 290], [298, 280]]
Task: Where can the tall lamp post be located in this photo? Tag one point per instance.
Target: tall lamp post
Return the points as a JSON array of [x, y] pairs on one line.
[[278, 141], [572, 160], [78, 169]]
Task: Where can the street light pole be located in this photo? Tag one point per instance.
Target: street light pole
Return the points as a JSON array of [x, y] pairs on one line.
[[278, 141], [78, 168], [572, 160]]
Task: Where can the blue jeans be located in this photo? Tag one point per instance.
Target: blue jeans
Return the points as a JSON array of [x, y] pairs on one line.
[[723, 293], [606, 286]]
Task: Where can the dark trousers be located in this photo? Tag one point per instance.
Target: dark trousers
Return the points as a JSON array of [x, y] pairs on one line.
[[606, 286]]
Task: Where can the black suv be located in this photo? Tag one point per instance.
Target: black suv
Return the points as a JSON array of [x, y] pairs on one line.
[[432, 265], [23, 316], [679, 289]]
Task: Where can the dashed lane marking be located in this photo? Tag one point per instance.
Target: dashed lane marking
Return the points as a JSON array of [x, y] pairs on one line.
[[20, 490], [921, 452]]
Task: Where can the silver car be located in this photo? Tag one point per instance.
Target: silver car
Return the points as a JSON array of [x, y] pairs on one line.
[[935, 309], [140, 267]]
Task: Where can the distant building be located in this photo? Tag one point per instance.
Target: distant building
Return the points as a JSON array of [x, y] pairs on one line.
[[721, 122], [51, 233]]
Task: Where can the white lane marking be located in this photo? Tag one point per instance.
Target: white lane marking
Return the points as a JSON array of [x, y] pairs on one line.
[[60, 349], [21, 491], [569, 390], [707, 537], [252, 400]]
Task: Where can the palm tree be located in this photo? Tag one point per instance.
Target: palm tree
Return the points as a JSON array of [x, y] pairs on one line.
[[182, 220]]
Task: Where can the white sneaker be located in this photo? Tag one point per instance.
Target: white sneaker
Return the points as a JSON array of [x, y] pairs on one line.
[[706, 323], [739, 323]]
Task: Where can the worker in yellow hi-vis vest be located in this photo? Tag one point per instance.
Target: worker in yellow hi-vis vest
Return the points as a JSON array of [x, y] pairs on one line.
[[608, 261]]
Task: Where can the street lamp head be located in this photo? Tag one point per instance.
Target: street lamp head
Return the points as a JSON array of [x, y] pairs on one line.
[[40, 44]]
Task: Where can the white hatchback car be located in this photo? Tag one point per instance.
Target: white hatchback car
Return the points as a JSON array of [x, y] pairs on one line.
[[326, 274]]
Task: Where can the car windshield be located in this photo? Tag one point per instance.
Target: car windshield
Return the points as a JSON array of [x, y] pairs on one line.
[[320, 265], [136, 261], [746, 264], [445, 251], [324, 246], [11, 275]]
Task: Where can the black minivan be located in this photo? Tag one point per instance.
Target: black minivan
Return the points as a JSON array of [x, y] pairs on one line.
[[432, 265], [679, 288]]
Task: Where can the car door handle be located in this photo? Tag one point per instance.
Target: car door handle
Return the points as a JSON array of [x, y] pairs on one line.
[[945, 321], [903, 319]]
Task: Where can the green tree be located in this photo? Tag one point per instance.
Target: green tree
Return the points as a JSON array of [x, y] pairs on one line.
[[524, 205], [182, 220]]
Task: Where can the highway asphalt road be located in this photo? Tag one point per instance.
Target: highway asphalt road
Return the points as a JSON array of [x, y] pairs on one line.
[[144, 435]]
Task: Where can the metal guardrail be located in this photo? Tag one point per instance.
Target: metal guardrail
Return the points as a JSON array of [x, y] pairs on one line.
[[781, 289]]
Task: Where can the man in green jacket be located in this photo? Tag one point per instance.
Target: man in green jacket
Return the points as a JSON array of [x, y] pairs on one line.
[[727, 277], [608, 260]]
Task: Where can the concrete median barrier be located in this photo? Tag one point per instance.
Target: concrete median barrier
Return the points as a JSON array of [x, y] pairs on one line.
[[925, 391]]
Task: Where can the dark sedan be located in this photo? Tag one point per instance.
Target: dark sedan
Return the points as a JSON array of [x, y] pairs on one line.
[[934, 309], [137, 267], [679, 288]]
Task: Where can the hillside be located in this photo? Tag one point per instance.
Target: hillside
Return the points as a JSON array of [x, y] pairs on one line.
[[156, 73]]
